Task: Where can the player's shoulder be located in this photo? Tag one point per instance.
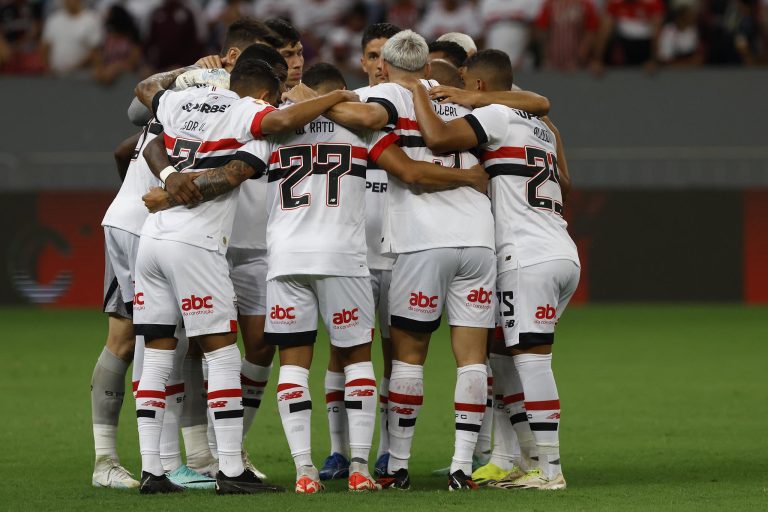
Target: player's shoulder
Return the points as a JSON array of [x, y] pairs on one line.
[[386, 89]]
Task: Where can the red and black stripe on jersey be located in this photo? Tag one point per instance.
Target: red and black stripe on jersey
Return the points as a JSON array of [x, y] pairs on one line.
[[213, 153], [358, 162]]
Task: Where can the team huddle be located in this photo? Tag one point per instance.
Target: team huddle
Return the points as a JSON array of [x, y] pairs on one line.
[[259, 196]]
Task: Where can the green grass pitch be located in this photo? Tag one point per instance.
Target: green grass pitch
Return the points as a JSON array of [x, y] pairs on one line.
[[664, 408]]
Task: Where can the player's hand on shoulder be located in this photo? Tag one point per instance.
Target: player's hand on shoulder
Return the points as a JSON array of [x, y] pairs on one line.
[[448, 94], [409, 82], [156, 200], [216, 77], [479, 178], [182, 189], [347, 95], [209, 62], [299, 93]]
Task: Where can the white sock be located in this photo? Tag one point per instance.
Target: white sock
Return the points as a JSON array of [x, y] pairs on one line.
[[360, 401], [504, 437], [209, 414], [225, 403], [194, 415], [406, 395], [107, 392], [254, 379], [105, 441], [150, 406], [543, 406], [470, 397], [483, 446], [295, 406], [383, 428], [337, 412], [170, 449], [514, 399]]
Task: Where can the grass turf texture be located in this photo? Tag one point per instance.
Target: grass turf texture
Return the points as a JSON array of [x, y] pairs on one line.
[[664, 407]]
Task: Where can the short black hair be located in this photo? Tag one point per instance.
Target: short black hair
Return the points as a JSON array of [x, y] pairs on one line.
[[245, 31], [454, 53], [495, 67], [254, 74], [379, 30], [269, 55], [322, 73], [285, 30]]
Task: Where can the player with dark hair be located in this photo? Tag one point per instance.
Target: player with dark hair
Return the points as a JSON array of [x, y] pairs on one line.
[[447, 50], [445, 73], [291, 48], [537, 261]]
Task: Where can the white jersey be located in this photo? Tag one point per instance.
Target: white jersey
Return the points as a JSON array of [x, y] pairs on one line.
[[127, 210], [316, 199], [249, 230], [521, 158], [206, 128], [376, 183], [418, 220]]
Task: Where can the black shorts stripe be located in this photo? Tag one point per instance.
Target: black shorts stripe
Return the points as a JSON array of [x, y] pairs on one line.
[[544, 427], [407, 422], [290, 339], [251, 402], [145, 413], [226, 415], [388, 106], [469, 427], [353, 404], [512, 170], [154, 331], [533, 339], [477, 127], [409, 324], [300, 406], [110, 292], [518, 418]]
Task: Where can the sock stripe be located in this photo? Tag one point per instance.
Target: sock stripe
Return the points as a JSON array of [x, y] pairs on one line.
[[225, 393], [287, 385], [544, 427], [511, 399], [360, 382], [150, 393], [145, 413], [225, 415], [135, 385], [469, 407], [349, 404], [405, 399], [542, 405], [251, 402], [469, 427], [334, 396], [174, 390], [300, 406], [245, 381], [518, 418], [407, 422]]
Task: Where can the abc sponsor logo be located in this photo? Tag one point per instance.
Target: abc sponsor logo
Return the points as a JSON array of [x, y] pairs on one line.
[[422, 302], [280, 315], [546, 315], [345, 319], [195, 305], [138, 301], [480, 299]]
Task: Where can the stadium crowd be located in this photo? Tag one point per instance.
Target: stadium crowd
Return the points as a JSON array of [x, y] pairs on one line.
[[106, 38]]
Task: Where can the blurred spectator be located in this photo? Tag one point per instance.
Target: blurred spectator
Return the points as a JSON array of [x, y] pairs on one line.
[[568, 33], [140, 10], [631, 30], [449, 16], [506, 25], [679, 43], [174, 39], [20, 28], [315, 19], [449, 51], [342, 47], [265, 9], [70, 37], [220, 14], [732, 31], [121, 52], [404, 13]]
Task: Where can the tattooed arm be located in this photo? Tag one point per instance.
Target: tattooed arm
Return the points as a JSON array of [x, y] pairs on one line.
[[147, 89]]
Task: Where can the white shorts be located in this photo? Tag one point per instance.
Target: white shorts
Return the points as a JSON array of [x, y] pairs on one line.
[[248, 271], [532, 299], [182, 282], [380, 282], [113, 299], [344, 303], [460, 279], [122, 247]]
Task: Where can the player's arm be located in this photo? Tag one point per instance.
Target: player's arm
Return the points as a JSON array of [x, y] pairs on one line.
[[562, 166], [124, 153], [359, 116], [427, 175], [522, 100], [299, 114], [441, 137], [179, 186], [147, 89]]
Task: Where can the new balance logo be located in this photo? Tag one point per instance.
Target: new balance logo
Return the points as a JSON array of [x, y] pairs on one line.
[[421, 300], [545, 312], [195, 303], [154, 403], [217, 405], [554, 416], [405, 411], [345, 317], [280, 313], [291, 395], [482, 296], [138, 299], [362, 392]]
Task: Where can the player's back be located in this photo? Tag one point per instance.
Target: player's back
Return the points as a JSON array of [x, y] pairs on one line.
[[418, 220], [316, 198], [525, 189]]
